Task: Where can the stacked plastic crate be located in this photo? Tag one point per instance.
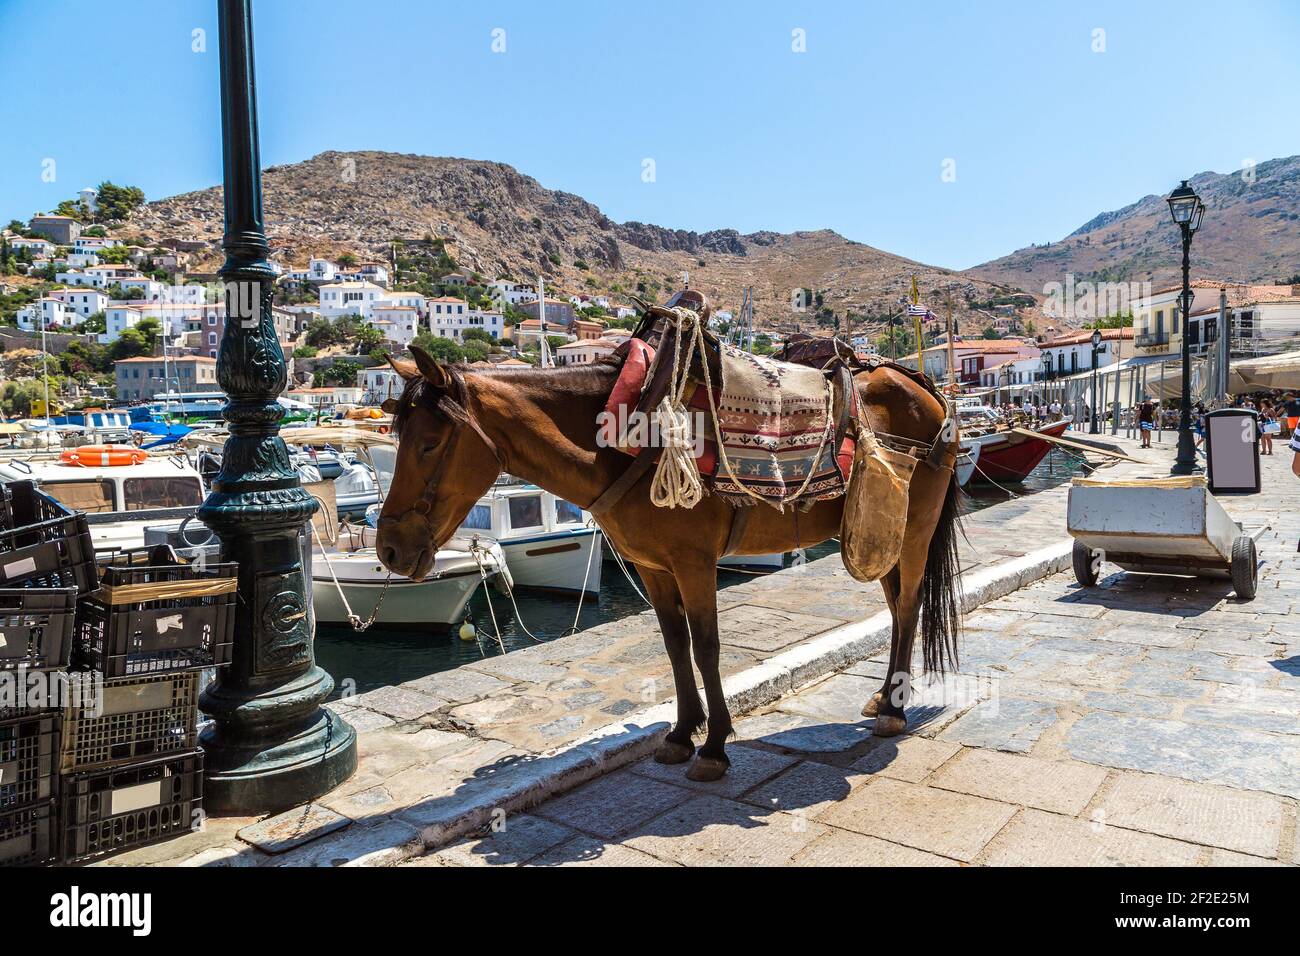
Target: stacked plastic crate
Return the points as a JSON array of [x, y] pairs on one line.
[[131, 770], [46, 560]]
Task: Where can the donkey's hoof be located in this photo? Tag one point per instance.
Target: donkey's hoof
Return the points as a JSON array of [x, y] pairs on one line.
[[872, 707], [670, 752], [889, 726], [706, 769]]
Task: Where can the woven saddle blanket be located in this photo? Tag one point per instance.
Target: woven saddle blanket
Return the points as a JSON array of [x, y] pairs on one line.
[[778, 422], [778, 428]]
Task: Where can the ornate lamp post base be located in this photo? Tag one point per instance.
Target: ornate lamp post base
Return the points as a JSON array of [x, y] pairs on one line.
[[246, 773]]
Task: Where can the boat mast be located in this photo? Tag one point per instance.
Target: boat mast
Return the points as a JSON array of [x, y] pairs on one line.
[[45, 366], [952, 369], [541, 318]]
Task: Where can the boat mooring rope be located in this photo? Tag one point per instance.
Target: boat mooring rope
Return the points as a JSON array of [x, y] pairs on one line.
[[586, 575], [353, 618]]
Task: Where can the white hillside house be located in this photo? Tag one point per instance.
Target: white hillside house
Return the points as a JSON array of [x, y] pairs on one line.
[[450, 318], [46, 313], [399, 323], [348, 298], [84, 302], [504, 292]]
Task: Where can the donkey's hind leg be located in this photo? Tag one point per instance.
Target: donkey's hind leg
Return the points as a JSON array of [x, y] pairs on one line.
[[889, 584], [926, 504], [677, 747], [699, 590]]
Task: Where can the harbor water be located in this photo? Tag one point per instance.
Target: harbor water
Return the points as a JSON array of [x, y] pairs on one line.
[[375, 658]]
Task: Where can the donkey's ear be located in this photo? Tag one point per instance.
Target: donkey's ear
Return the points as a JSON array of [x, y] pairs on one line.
[[430, 367], [403, 368]]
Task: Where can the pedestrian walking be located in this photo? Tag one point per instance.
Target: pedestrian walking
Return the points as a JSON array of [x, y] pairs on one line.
[[1146, 415]]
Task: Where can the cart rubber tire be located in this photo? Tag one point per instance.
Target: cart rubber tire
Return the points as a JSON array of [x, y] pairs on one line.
[[1085, 572], [1244, 567]]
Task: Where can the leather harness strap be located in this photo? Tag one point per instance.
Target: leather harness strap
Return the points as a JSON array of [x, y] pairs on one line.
[[739, 521], [639, 467]]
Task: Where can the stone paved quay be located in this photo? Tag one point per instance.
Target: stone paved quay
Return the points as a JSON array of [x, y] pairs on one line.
[[1081, 682], [1148, 721]]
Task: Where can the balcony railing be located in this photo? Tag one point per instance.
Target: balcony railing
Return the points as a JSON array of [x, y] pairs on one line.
[[1148, 340]]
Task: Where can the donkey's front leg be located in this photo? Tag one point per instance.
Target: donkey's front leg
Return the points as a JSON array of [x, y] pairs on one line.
[[699, 590], [678, 747]]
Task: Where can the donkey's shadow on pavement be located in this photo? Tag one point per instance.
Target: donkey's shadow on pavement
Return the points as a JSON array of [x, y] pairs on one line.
[[775, 780]]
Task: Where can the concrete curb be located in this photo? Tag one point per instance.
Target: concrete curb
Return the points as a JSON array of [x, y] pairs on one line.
[[619, 744]]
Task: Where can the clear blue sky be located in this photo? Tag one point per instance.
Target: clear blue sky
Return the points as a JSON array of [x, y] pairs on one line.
[[850, 135]]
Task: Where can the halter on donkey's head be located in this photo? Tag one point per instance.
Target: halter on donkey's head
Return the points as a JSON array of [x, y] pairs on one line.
[[440, 389]]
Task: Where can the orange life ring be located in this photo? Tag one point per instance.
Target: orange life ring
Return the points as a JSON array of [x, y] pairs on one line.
[[104, 455]]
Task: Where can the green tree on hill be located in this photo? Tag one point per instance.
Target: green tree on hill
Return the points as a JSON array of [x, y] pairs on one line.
[[117, 202], [443, 349]]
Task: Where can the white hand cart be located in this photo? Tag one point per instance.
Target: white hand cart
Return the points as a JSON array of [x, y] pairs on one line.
[[1158, 526]]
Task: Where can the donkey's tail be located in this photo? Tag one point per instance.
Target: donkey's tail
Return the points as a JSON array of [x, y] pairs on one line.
[[941, 587]]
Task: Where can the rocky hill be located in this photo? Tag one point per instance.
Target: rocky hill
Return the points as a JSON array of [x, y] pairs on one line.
[[1251, 233], [498, 222]]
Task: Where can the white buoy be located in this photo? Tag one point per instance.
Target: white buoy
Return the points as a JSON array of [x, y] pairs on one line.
[[467, 631]]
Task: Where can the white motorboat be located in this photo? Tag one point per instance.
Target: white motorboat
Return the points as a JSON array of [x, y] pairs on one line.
[[348, 579], [753, 562], [548, 542], [354, 582]]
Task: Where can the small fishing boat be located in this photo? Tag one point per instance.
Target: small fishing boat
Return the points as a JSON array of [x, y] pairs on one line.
[[1008, 452], [351, 585], [120, 488], [347, 583], [547, 541], [967, 458]]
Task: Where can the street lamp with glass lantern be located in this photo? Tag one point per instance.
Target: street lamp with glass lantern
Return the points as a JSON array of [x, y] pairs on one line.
[[1187, 210], [1093, 428]]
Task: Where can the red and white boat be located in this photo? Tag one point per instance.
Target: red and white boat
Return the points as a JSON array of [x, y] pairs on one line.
[[1007, 453]]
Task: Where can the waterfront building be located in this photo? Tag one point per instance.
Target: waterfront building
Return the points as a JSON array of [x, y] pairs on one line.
[[138, 379]]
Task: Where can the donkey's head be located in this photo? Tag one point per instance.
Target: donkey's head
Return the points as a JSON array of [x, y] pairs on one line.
[[445, 464]]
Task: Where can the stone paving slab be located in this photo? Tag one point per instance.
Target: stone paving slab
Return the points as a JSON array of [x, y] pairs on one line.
[[1058, 786], [1219, 816], [712, 831], [612, 805], [948, 824], [1036, 838]]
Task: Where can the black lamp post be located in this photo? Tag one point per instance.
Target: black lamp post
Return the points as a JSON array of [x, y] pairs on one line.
[[1093, 427], [272, 745], [1187, 209]]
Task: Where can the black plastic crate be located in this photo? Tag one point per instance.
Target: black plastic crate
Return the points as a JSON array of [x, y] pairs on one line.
[[42, 543], [155, 613], [106, 811], [28, 749], [128, 718], [36, 627], [27, 835]]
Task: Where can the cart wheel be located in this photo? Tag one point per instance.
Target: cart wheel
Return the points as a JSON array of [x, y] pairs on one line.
[[1085, 571], [1245, 570]]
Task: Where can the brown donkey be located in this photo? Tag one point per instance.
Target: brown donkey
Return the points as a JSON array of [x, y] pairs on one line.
[[460, 428]]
